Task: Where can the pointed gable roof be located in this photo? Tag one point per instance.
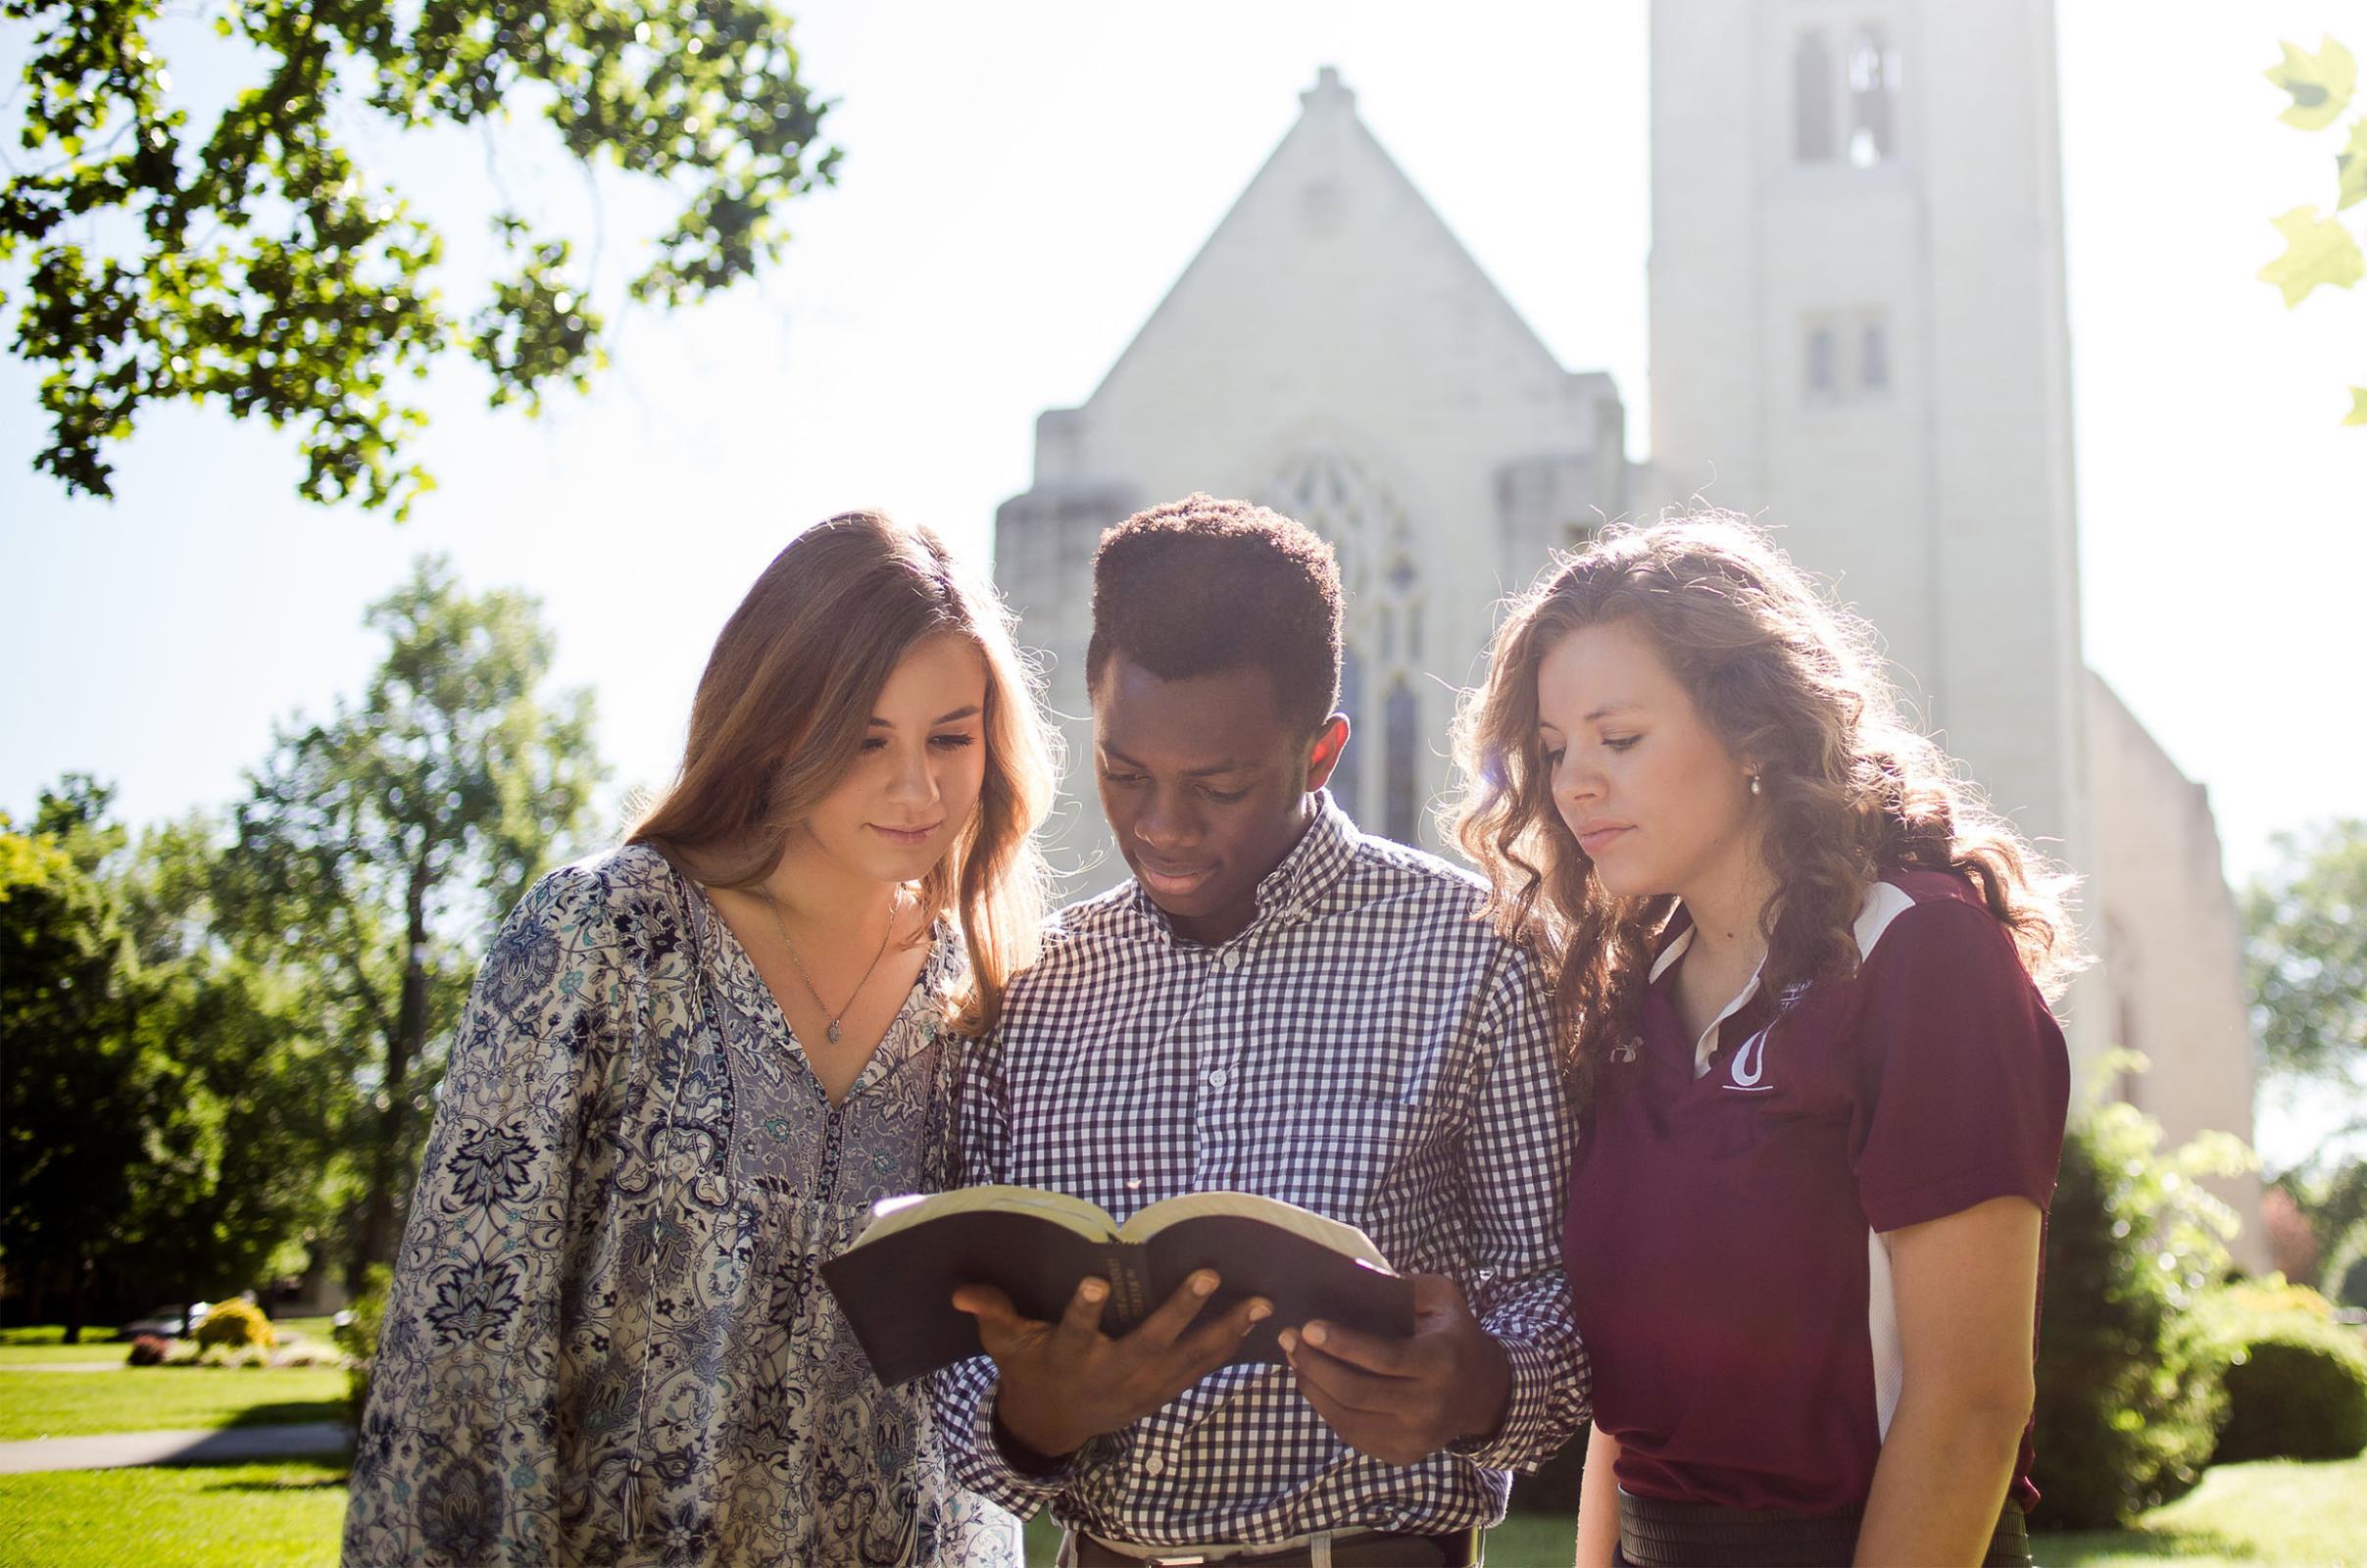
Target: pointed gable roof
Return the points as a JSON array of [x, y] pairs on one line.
[[1329, 224]]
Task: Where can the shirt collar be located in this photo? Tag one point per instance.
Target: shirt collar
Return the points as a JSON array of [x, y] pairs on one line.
[[1706, 1047], [1324, 853]]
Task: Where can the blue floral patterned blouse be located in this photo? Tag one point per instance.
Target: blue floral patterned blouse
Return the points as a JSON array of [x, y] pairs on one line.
[[607, 1342]]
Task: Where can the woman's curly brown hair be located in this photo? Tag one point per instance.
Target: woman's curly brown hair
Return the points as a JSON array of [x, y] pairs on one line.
[[1849, 791]]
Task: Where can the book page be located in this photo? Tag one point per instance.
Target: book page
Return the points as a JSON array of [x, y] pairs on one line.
[[891, 1215], [1331, 1234]]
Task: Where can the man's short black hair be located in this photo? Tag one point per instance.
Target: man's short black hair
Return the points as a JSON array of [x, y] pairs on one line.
[[1201, 586]]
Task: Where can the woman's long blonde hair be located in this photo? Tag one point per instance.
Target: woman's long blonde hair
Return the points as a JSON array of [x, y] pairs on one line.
[[783, 706], [1847, 790]]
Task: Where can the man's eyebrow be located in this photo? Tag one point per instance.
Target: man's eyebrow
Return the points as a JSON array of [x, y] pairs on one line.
[[1116, 756], [971, 711]]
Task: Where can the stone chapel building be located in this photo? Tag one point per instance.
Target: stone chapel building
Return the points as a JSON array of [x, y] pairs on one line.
[[1857, 332]]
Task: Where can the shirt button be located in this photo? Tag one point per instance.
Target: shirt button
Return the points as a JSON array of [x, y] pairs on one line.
[[1232, 958], [1216, 1079], [1154, 1465]]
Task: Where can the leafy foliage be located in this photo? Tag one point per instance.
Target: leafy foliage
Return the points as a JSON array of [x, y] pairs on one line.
[[234, 1323], [2320, 251], [259, 265], [2297, 1380], [376, 844], [2305, 925], [68, 1073], [2129, 1398], [358, 1337]]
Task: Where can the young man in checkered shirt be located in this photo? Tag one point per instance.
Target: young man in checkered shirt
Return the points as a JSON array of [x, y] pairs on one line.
[[1274, 1003]]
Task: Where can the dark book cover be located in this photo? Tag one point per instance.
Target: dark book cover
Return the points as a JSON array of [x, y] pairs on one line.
[[897, 1286]]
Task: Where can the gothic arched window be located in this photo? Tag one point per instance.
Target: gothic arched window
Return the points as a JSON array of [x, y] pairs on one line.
[[1378, 780], [1402, 816], [1347, 776]]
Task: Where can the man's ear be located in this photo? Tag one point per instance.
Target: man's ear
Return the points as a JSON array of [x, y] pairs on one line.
[[1324, 754]]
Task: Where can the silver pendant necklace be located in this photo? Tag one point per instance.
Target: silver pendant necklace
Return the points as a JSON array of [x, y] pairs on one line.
[[782, 927]]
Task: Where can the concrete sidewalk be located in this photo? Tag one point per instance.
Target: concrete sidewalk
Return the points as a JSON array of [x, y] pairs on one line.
[[119, 1450]]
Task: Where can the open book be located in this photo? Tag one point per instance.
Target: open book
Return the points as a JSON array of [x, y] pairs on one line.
[[896, 1283]]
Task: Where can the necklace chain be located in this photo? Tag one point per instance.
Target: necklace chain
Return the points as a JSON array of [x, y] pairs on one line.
[[814, 991]]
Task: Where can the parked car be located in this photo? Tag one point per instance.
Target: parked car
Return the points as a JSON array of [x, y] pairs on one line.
[[167, 1322]]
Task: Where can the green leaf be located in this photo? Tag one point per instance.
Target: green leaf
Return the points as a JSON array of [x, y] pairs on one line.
[[2318, 250], [2320, 84], [2358, 406], [2350, 167]]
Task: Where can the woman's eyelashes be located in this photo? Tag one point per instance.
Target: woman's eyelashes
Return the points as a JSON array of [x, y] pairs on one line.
[[1551, 755], [950, 740]]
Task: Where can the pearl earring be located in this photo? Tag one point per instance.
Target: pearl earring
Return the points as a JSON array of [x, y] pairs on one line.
[[1754, 783]]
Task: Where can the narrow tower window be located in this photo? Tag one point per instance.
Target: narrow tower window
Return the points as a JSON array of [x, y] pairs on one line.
[[1873, 357], [1873, 98], [1823, 369], [1812, 99], [1343, 776], [1401, 818]]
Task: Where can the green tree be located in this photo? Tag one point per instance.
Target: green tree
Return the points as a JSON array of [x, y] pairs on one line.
[[261, 265], [70, 1137], [2306, 949], [379, 847], [2320, 249], [244, 1099]]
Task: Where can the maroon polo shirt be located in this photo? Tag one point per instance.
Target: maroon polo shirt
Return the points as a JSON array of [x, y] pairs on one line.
[[1724, 1239]]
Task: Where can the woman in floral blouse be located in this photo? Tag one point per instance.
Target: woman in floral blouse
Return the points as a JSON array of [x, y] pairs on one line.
[[687, 1070]]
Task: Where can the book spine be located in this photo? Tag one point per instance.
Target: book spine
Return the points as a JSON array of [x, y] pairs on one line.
[[1129, 1275]]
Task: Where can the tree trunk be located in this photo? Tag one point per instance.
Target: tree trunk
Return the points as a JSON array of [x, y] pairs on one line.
[[73, 1302], [409, 1040]]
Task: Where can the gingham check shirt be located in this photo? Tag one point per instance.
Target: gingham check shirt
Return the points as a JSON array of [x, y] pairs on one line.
[[1367, 1049]]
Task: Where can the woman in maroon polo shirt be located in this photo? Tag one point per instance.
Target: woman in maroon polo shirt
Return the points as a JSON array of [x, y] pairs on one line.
[[1802, 973]]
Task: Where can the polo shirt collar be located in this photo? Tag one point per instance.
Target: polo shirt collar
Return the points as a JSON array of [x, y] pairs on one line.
[[1706, 1047]]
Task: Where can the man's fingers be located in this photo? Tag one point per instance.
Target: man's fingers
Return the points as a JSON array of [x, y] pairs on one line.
[[1393, 1358], [1360, 1430], [987, 1305], [1001, 1327], [1346, 1385], [1081, 1322], [1175, 1314]]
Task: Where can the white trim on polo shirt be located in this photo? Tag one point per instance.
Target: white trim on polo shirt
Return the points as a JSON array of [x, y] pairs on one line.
[[1706, 1046]]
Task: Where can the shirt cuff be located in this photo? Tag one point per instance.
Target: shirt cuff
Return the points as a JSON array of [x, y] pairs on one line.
[[1522, 1433], [1023, 1491]]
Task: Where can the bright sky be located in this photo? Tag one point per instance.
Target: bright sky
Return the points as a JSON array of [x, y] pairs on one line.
[[1021, 184]]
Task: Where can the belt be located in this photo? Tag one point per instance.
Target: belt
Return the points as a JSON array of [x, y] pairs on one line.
[[1340, 1549], [1655, 1533]]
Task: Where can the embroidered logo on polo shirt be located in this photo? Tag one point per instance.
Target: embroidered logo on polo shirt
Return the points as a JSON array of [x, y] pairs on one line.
[[1749, 1066]]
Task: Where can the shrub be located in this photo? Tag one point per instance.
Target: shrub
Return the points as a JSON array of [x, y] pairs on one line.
[[2297, 1380], [2128, 1395], [235, 1323], [2345, 1276], [358, 1337], [149, 1349], [184, 1352]]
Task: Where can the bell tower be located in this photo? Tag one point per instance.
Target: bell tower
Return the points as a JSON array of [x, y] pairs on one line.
[[1858, 334]]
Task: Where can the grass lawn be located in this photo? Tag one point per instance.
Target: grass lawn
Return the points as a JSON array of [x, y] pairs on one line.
[[282, 1515], [152, 1399], [2275, 1512], [44, 1344]]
